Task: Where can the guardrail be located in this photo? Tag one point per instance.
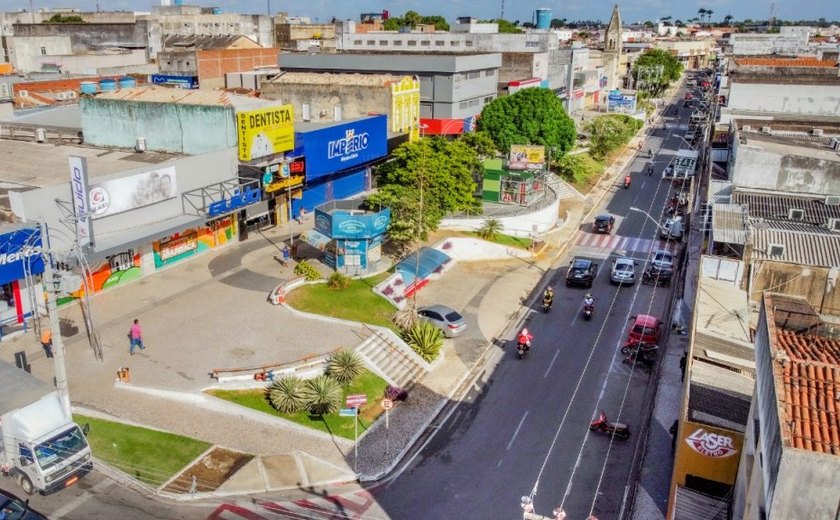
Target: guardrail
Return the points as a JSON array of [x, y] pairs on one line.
[[271, 371]]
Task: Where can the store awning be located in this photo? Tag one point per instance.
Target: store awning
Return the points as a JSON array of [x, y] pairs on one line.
[[315, 239], [106, 244], [423, 262]]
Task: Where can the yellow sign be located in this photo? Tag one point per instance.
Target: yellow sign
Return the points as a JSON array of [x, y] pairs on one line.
[[288, 182], [405, 106], [525, 155], [265, 131]]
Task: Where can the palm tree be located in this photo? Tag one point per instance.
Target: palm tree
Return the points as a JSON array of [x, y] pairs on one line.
[[425, 339], [490, 228], [322, 395], [727, 19], [344, 366], [702, 13], [709, 13], [286, 395]]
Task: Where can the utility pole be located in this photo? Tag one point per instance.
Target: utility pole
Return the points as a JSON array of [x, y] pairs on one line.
[[55, 326]]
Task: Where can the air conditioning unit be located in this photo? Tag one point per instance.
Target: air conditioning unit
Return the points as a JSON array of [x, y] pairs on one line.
[[796, 214], [23, 93], [832, 200], [775, 250], [765, 129], [62, 96], [4, 90], [40, 135], [307, 112], [140, 145], [834, 224], [71, 94], [817, 132]]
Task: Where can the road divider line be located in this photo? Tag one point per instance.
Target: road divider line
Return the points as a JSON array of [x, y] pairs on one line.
[[515, 433], [547, 370]]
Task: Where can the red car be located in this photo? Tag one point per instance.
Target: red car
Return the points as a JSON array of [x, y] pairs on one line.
[[644, 329]]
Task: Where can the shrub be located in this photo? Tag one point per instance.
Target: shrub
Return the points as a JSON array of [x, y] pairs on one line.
[[305, 269], [345, 366], [286, 395], [338, 281], [395, 393], [490, 228], [323, 395], [406, 318], [425, 339]]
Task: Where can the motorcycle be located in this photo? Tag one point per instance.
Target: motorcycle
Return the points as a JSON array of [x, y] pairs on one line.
[[626, 182], [588, 309], [650, 153], [658, 277], [641, 358], [650, 170], [523, 348], [639, 347], [605, 426], [546, 305]]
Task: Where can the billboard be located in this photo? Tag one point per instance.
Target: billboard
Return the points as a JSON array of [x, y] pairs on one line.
[[81, 200], [526, 157], [265, 131], [185, 82], [342, 146], [20, 254], [618, 102], [132, 192]]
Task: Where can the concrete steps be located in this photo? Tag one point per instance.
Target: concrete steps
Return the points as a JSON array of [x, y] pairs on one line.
[[390, 357]]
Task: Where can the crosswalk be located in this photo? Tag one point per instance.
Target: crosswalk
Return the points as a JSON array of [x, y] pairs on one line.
[[619, 243], [349, 506]]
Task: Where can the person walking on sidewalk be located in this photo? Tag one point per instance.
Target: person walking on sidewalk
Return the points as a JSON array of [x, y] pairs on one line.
[[136, 335], [46, 341]]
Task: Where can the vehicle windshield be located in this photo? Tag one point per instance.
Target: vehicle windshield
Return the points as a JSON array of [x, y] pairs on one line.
[[580, 265], [59, 448], [453, 316], [12, 508], [644, 331]]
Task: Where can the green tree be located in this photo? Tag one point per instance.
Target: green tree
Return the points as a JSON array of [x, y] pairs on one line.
[[609, 132], [490, 228], [322, 395], [71, 18], [648, 66], [480, 142], [505, 27], [558, 23], [412, 19], [531, 116], [576, 168], [286, 395], [425, 339], [345, 366]]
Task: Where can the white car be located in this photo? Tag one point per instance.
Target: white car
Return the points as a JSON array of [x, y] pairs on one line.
[[663, 259], [623, 271]]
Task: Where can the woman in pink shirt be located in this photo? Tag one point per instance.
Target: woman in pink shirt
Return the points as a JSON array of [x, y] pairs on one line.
[[136, 334]]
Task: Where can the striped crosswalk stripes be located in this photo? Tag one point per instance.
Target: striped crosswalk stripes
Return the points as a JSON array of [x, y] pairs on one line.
[[618, 242], [348, 506]]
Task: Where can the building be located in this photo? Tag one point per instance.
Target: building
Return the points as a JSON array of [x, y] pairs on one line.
[[204, 60], [305, 36], [612, 51], [718, 384], [453, 87], [21, 265], [789, 41], [790, 462], [693, 54], [771, 86]]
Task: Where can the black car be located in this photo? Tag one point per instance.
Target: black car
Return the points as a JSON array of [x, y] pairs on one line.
[[603, 224], [581, 272], [13, 508]]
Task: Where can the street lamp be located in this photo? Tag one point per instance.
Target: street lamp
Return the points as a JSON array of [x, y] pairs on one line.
[[645, 213]]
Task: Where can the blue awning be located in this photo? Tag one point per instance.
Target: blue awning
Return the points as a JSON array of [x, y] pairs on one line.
[[429, 260]]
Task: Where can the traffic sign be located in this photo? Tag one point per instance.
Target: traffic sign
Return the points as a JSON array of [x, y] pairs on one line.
[[356, 400], [387, 404], [348, 412]]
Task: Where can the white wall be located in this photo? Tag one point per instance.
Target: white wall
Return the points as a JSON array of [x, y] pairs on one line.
[[25, 52], [525, 225], [791, 98], [91, 64]]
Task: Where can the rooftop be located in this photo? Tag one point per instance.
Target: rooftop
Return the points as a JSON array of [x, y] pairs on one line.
[[65, 116], [784, 62], [729, 223], [790, 144], [773, 205], [722, 330], [327, 78], [155, 94], [200, 42], [817, 248], [806, 369]]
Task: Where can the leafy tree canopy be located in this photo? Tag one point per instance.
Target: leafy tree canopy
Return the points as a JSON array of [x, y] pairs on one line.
[[505, 26], [531, 116], [647, 67], [412, 19], [609, 132], [59, 18], [557, 23]]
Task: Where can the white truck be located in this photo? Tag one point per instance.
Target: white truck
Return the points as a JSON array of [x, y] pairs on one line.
[[40, 447]]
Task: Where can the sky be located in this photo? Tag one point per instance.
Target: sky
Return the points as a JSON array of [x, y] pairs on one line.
[[325, 10]]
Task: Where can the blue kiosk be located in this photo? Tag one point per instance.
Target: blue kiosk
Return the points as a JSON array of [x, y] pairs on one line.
[[352, 236]]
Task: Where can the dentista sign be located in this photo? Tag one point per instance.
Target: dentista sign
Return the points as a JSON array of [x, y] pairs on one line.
[[711, 444]]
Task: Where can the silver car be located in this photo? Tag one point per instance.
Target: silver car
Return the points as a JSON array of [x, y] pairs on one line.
[[663, 259], [623, 271], [448, 320]]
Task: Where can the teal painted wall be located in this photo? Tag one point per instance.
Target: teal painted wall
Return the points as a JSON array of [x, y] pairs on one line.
[[167, 127]]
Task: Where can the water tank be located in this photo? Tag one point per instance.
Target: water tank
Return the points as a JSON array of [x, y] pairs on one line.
[[544, 18], [107, 85], [177, 3], [88, 87], [127, 82], [217, 10]]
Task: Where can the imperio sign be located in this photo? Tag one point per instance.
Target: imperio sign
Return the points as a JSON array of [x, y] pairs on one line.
[[711, 444]]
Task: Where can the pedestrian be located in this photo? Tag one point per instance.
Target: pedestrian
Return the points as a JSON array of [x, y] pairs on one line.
[[673, 431], [136, 335], [682, 367], [46, 341]]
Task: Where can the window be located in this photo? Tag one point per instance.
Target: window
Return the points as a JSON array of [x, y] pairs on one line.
[[488, 99], [371, 42], [473, 103], [357, 42], [468, 43], [532, 44], [43, 50], [489, 73], [397, 43], [463, 105], [412, 43], [425, 43], [473, 75], [455, 43], [383, 42], [439, 43]]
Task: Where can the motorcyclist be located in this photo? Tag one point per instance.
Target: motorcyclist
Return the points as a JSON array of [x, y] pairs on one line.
[[588, 301], [650, 169], [548, 296], [650, 152], [627, 180], [524, 338]]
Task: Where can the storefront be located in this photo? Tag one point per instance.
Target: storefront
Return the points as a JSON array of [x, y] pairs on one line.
[[338, 158], [351, 236], [21, 264]]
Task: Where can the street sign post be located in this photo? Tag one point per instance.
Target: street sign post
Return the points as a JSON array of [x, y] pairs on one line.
[[387, 404], [355, 401], [348, 412]]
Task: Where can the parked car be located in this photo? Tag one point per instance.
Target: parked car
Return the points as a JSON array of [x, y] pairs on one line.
[[623, 271], [690, 135], [662, 259], [603, 224], [13, 508], [448, 320], [644, 328], [672, 229], [582, 271]]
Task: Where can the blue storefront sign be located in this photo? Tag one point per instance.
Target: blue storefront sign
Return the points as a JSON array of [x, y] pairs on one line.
[[188, 82], [342, 146], [237, 202], [616, 101], [339, 224], [20, 255]]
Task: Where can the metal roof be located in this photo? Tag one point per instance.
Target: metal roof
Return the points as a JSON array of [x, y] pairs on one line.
[[813, 248], [693, 505], [720, 192], [155, 94], [201, 42], [729, 224], [775, 205], [20, 388], [64, 116]]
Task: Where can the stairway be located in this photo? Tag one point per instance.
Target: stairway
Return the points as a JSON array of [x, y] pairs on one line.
[[390, 357]]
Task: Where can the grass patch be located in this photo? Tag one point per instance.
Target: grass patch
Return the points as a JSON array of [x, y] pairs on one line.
[[507, 240], [357, 302], [591, 174], [368, 383], [149, 456]]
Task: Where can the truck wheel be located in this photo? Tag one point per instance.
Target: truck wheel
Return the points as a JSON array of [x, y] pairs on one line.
[[26, 484]]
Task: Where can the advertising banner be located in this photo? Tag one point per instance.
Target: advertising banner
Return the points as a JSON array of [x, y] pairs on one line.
[[526, 157], [81, 200], [265, 131], [342, 146], [18, 248], [352, 226], [185, 82], [173, 247], [132, 192], [618, 102]]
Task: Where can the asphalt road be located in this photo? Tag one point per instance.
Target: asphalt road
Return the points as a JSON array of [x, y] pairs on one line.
[[524, 426]]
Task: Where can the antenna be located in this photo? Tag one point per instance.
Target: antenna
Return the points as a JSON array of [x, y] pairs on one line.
[[772, 13], [502, 17]]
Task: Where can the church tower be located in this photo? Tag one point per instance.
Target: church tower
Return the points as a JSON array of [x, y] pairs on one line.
[[612, 51]]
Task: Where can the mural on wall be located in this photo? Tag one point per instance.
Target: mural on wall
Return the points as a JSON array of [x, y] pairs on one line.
[[191, 242], [114, 270]]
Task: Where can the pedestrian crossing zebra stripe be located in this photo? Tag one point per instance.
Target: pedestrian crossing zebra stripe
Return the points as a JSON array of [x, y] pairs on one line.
[[618, 242]]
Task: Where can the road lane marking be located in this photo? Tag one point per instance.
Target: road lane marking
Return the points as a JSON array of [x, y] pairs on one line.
[[547, 370], [515, 433]]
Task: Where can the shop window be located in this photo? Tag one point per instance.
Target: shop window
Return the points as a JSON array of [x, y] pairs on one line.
[[412, 43], [439, 43], [7, 298]]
